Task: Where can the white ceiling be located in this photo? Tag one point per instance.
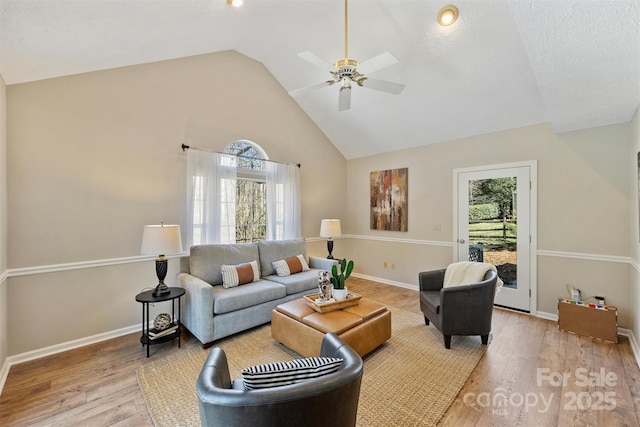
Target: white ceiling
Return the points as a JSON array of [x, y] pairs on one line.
[[504, 64]]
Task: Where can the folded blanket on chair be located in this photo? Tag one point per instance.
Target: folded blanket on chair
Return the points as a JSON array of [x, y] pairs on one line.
[[465, 272]]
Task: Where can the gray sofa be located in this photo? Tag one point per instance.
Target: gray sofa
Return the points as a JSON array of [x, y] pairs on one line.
[[211, 312]]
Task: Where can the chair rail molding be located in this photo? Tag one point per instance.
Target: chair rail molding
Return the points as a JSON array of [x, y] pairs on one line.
[[53, 268]]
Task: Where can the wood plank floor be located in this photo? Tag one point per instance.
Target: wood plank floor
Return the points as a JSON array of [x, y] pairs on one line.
[[518, 382]]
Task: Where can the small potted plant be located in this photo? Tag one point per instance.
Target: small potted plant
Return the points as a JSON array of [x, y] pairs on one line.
[[339, 289]]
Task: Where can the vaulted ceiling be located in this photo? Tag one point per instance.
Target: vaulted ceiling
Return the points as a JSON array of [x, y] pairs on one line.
[[504, 64]]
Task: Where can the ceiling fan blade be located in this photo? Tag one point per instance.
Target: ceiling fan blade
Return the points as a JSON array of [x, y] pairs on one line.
[[377, 63], [315, 60], [383, 85], [344, 99], [307, 89]]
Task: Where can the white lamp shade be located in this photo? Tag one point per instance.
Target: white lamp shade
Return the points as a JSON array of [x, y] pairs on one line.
[[161, 240], [330, 228]]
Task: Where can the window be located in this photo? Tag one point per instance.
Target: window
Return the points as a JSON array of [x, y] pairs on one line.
[[241, 196], [251, 191]]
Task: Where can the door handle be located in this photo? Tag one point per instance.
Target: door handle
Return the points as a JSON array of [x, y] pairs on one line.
[[461, 241]]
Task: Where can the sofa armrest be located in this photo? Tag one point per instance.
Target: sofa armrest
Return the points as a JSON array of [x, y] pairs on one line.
[[198, 306], [431, 280], [322, 263]]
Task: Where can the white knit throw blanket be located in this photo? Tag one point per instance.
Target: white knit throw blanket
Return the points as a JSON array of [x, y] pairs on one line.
[[465, 272]]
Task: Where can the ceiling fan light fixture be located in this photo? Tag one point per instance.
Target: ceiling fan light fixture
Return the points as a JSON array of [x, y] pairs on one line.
[[346, 62], [447, 15], [346, 73]]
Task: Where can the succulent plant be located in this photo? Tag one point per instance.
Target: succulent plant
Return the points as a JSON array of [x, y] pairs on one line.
[[338, 279]]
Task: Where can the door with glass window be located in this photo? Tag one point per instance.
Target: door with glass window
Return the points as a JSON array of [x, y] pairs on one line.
[[494, 226]]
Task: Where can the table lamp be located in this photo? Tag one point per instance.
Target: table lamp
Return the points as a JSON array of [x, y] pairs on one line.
[[330, 228], [161, 239]]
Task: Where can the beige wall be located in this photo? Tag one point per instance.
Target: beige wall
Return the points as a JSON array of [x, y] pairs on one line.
[[94, 157], [3, 224], [583, 208], [634, 232]]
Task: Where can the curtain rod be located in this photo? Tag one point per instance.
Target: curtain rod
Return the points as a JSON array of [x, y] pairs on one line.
[[186, 147]]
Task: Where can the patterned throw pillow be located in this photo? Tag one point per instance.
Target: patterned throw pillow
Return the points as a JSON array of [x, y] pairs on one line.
[[289, 266], [285, 373], [234, 275]]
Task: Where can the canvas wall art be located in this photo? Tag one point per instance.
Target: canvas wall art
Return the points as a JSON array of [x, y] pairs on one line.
[[389, 199]]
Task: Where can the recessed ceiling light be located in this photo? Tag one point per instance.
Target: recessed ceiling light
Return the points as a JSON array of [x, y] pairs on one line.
[[235, 3], [448, 15]]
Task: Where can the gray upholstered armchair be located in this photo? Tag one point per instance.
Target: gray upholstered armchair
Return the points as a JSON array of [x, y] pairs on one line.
[[331, 400], [457, 310]]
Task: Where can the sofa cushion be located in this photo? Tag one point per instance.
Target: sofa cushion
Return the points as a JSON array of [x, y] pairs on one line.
[[234, 275], [291, 265], [300, 282], [284, 373], [227, 300], [431, 299], [274, 250], [205, 260]]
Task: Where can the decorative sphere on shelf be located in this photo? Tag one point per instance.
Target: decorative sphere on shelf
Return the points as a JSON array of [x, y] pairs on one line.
[[162, 321]]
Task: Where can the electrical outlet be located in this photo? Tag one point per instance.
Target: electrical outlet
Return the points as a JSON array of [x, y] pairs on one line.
[[437, 227], [385, 264]]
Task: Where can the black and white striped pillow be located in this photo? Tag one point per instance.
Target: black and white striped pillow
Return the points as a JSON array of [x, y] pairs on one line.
[[285, 373]]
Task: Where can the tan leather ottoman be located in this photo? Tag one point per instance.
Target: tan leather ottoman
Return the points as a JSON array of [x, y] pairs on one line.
[[363, 327]]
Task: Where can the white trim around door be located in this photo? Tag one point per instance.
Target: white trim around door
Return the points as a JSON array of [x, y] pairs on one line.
[[530, 168]]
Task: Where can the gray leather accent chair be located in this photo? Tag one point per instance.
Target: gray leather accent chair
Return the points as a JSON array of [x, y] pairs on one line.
[[331, 400], [457, 310]]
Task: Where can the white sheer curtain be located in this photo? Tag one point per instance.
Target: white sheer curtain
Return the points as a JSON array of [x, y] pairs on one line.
[[283, 201], [211, 197]]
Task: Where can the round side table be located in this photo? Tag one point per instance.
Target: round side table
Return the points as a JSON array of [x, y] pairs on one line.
[[151, 336]]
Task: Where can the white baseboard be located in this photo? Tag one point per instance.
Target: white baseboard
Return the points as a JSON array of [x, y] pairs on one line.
[[59, 348], [4, 372], [632, 340], [547, 316], [385, 281]]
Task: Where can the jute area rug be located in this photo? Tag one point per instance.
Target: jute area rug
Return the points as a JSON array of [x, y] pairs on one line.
[[411, 380]]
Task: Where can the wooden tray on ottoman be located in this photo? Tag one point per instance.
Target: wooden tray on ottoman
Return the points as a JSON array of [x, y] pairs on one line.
[[324, 307]]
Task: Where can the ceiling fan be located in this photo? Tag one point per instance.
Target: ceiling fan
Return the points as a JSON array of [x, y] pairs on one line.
[[345, 72]]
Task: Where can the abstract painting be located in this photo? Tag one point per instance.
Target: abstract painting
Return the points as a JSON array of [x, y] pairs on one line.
[[389, 194]]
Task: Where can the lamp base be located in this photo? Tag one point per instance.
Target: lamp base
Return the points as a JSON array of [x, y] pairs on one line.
[[330, 248], [161, 290], [161, 272]]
